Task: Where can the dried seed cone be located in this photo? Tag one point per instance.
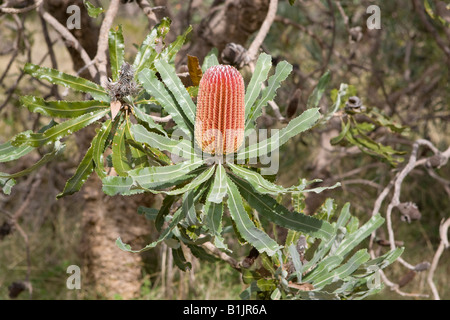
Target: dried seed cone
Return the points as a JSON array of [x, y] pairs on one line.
[[220, 118]]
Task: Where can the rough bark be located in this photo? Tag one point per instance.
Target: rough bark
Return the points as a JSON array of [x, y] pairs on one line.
[[87, 35], [106, 269]]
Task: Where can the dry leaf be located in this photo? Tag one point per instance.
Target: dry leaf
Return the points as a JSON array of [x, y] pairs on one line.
[[301, 286], [115, 108], [195, 71]]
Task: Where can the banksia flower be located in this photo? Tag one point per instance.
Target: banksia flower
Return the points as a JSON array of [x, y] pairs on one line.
[[220, 118]]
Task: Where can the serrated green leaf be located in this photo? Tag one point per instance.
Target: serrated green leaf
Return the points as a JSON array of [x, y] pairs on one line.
[[200, 179], [61, 109], [297, 125], [266, 284], [57, 151], [142, 116], [282, 71], [270, 209], [356, 237], [82, 173], [319, 90], [180, 260], [136, 151], [262, 68], [149, 213], [92, 10], [119, 153], [213, 220], [342, 134], [116, 51], [174, 84], [181, 148], [151, 177], [343, 271], [8, 152], [99, 146], [219, 187], [256, 237], [148, 51], [6, 184], [59, 131], [168, 54], [76, 83], [210, 60], [296, 262], [157, 89]]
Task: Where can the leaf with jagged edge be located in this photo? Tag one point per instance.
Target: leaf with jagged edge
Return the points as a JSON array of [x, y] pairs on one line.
[[58, 131], [119, 153], [137, 155], [60, 108], [355, 238], [58, 149], [282, 71], [155, 176], [169, 53], [99, 146], [60, 78], [270, 209], [219, 187], [164, 97], [180, 260], [82, 173], [8, 152], [6, 184], [116, 51], [199, 180], [148, 121], [210, 60], [201, 254], [92, 10], [343, 271], [262, 68], [303, 122], [176, 218], [264, 186], [151, 46], [181, 148], [319, 90], [176, 87], [213, 213], [245, 226]]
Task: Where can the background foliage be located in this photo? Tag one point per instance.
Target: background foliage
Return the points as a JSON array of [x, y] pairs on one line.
[[397, 73]]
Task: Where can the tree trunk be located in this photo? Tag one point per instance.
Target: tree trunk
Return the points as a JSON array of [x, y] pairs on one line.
[[227, 21], [108, 270]]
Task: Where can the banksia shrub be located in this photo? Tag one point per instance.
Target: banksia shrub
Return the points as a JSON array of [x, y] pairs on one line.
[[220, 116]]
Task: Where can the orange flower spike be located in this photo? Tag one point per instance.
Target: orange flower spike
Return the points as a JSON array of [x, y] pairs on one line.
[[220, 115]]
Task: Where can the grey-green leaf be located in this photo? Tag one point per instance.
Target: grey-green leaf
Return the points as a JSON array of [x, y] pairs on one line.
[[256, 237], [270, 209], [262, 68], [66, 80], [62, 109], [177, 88], [116, 51], [59, 131]]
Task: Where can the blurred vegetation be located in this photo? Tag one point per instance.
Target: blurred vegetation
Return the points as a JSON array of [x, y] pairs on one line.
[[414, 92]]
